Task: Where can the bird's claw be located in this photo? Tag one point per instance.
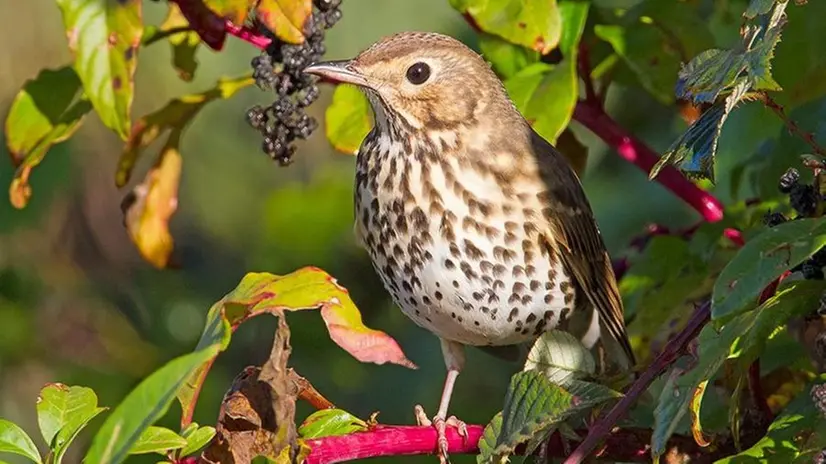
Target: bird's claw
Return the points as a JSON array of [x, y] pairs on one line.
[[440, 424]]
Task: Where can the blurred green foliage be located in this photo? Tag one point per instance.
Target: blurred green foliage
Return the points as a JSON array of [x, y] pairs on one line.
[[78, 305]]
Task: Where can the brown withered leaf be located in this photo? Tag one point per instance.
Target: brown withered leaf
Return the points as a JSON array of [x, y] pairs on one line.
[[257, 416], [148, 208]]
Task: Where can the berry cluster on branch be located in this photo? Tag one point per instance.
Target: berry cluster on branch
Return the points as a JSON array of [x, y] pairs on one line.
[[804, 198], [279, 69]]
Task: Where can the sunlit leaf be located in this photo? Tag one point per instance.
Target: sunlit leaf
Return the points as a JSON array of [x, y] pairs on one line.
[[796, 436], [561, 357], [46, 111], [104, 37], [535, 24], [506, 58], [330, 422], [285, 18], [151, 204], [144, 405], [14, 440], [533, 403], [348, 119], [762, 260], [175, 115], [196, 438], [157, 440], [546, 94], [233, 10], [305, 289], [62, 412]]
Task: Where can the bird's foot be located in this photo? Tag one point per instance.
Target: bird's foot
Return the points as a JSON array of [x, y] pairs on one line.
[[440, 424]]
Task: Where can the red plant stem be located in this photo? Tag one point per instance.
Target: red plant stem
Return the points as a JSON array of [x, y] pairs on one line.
[[626, 445], [600, 123], [670, 353], [248, 35]]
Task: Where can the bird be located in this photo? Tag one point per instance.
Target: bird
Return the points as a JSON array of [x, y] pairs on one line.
[[477, 226]]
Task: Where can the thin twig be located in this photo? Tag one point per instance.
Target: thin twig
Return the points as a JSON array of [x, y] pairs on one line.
[[794, 129], [671, 352], [584, 70], [164, 33]]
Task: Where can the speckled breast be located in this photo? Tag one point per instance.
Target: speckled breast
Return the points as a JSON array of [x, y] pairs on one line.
[[460, 257]]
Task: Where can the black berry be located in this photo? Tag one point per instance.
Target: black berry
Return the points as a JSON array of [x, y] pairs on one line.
[[279, 69], [788, 180], [811, 271], [803, 199], [774, 219]]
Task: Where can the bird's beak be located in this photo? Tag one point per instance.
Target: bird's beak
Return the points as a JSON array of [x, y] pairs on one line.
[[337, 71]]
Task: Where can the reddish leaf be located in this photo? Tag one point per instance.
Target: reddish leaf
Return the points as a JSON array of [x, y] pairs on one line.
[[232, 10], [306, 288]]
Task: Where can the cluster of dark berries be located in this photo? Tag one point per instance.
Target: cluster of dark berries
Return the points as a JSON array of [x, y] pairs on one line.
[[804, 199], [279, 69]]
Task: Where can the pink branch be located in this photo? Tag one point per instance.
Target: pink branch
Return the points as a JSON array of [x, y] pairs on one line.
[[632, 149], [626, 445]]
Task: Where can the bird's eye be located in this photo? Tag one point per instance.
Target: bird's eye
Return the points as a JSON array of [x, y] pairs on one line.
[[418, 73]]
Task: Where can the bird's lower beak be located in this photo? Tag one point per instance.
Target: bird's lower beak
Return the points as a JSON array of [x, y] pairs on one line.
[[337, 71]]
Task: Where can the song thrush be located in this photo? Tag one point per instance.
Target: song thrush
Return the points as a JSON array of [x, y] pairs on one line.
[[477, 226]]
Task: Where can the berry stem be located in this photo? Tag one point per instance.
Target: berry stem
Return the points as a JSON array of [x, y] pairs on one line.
[[248, 35], [632, 149], [794, 129], [626, 445], [668, 355]]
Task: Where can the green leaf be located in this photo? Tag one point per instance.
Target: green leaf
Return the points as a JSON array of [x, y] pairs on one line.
[[799, 64], [348, 119], [761, 261], [14, 440], [534, 24], [561, 357], [196, 438], [796, 436], [47, 110], [547, 94], [305, 289], [742, 339], [506, 58], [654, 38], [144, 405], [487, 442], [157, 440], [104, 37], [62, 412], [174, 116], [330, 422], [694, 151], [533, 403], [184, 44]]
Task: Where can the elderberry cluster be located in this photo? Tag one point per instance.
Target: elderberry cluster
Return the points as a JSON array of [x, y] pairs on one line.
[[279, 69], [804, 199]]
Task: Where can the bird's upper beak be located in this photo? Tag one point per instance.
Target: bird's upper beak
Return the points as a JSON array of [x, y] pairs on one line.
[[338, 71]]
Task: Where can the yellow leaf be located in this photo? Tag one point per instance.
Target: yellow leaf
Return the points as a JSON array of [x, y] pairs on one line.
[[285, 18]]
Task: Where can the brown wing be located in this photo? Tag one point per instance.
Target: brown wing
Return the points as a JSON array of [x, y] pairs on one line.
[[575, 235]]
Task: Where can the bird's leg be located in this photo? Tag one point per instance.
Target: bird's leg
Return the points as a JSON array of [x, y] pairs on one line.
[[454, 355]]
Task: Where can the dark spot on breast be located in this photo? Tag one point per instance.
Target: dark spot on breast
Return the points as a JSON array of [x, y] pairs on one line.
[[467, 306], [510, 238], [514, 312], [454, 250], [535, 284], [478, 296], [450, 264], [455, 284], [531, 317], [526, 299], [426, 300], [549, 297], [518, 270], [499, 270], [472, 251], [519, 287], [498, 284], [438, 295], [485, 266], [514, 298]]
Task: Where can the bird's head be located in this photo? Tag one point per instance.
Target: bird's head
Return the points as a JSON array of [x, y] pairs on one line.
[[424, 81]]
